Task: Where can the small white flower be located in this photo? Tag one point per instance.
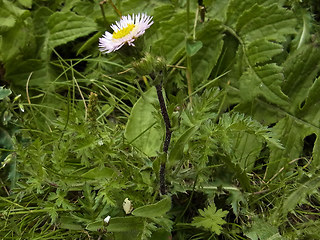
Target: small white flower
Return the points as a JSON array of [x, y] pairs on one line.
[[125, 31], [107, 219], [127, 206]]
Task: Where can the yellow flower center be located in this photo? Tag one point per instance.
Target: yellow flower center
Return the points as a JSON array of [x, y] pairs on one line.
[[123, 32]]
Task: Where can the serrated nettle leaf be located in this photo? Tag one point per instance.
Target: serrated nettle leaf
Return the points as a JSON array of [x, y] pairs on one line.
[[154, 210], [206, 58], [310, 111], [246, 149], [270, 23], [216, 9], [67, 26], [263, 81], [263, 230], [173, 34], [236, 8], [144, 128], [300, 70], [261, 51], [292, 133]]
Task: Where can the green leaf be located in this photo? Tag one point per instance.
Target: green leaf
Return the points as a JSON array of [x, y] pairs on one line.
[[26, 3], [263, 230], [270, 23], [172, 43], [300, 193], [67, 26], [144, 129], [24, 43], [261, 51], [247, 148], [206, 58], [210, 219], [300, 70], [18, 73], [236, 8], [99, 173], [10, 14], [124, 224], [154, 210], [176, 152], [4, 93], [263, 81], [192, 47], [292, 133]]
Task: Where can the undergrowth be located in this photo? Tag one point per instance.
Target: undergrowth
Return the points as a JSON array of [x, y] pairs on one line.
[[81, 133]]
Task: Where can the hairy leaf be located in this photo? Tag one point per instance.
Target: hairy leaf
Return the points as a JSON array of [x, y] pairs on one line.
[[270, 23], [66, 27]]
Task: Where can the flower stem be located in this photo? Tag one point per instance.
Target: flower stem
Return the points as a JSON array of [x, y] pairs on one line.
[[166, 143]]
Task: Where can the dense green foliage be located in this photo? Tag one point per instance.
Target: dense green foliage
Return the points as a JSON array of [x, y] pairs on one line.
[[81, 132]]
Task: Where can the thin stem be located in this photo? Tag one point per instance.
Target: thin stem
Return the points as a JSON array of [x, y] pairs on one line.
[[166, 143], [102, 12], [189, 66]]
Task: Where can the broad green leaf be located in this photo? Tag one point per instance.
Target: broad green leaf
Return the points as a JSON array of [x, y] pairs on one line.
[[4, 93], [67, 26], [18, 74], [144, 128], [211, 219], [173, 34], [192, 47], [124, 224], [23, 45], [99, 173], [206, 58], [216, 9], [270, 23], [236, 8], [300, 70], [263, 81], [263, 230], [26, 3], [69, 223], [154, 210], [292, 134], [247, 148], [310, 111], [261, 51]]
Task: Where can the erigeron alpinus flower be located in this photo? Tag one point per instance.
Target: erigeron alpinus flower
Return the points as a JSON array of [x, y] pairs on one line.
[[125, 31]]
